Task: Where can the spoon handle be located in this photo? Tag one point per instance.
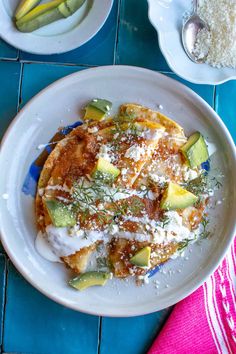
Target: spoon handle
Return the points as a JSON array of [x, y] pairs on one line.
[[195, 6]]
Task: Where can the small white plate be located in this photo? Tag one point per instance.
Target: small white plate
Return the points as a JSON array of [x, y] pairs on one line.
[[60, 36], [167, 18], [60, 104]]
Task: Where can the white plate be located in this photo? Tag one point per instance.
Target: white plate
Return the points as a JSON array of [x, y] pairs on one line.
[[60, 36], [167, 18], [36, 124]]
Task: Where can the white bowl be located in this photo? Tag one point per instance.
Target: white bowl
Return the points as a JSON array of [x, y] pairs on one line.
[[60, 36], [167, 18], [37, 123]]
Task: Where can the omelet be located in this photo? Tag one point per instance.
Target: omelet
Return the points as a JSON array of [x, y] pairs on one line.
[[107, 184]]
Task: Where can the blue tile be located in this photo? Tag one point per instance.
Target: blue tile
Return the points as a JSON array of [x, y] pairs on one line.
[[10, 75], [35, 324], [225, 105], [38, 76], [131, 335], [98, 51], [7, 52], [137, 39], [2, 291], [205, 91]]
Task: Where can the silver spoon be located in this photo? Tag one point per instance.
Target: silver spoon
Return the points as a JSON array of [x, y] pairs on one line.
[[189, 34]]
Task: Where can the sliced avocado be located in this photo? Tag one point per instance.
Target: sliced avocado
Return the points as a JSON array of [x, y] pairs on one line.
[[97, 109], [74, 5], [195, 150], [45, 14], [105, 170], [64, 10], [85, 280], [142, 257], [39, 10], [60, 214], [24, 7], [176, 197]]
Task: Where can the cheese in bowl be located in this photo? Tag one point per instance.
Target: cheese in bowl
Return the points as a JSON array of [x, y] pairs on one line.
[[119, 196]]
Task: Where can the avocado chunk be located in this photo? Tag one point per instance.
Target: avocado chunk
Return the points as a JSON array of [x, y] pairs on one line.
[[88, 279], [97, 109], [45, 14], [142, 257], [24, 7], [105, 170], [176, 197], [195, 150], [60, 214], [64, 9]]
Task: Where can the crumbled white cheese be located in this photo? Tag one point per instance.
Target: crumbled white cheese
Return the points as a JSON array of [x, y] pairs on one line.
[[135, 152], [189, 174], [124, 171], [93, 130], [159, 179], [220, 15], [5, 196], [113, 229], [105, 152]]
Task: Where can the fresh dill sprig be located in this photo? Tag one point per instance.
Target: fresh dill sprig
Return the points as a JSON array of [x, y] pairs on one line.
[[102, 262], [217, 183], [198, 185], [164, 221], [205, 224], [183, 245]]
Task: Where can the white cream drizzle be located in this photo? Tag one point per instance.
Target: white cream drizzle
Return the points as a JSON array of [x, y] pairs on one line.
[[62, 241]]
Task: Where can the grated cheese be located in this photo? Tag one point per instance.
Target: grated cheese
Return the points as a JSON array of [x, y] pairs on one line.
[[221, 42]]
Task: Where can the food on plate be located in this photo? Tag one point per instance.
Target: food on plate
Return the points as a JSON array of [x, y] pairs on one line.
[[218, 45], [121, 195], [35, 17], [24, 7]]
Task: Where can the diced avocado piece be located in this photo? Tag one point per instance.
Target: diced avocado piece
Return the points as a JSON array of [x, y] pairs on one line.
[[97, 109], [24, 7], [60, 214], [195, 150], [88, 279], [176, 197], [142, 257], [105, 169]]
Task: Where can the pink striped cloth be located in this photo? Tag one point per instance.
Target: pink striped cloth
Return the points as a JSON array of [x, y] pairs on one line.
[[204, 322]]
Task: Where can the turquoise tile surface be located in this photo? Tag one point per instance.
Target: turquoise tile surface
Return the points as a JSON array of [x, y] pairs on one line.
[[137, 39], [10, 75], [35, 324], [37, 76], [130, 335], [225, 105], [7, 51], [205, 91], [2, 292], [98, 51]]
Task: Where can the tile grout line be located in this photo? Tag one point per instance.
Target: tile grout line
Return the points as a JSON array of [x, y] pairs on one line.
[[117, 31], [4, 301], [214, 97], [99, 335], [20, 87]]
